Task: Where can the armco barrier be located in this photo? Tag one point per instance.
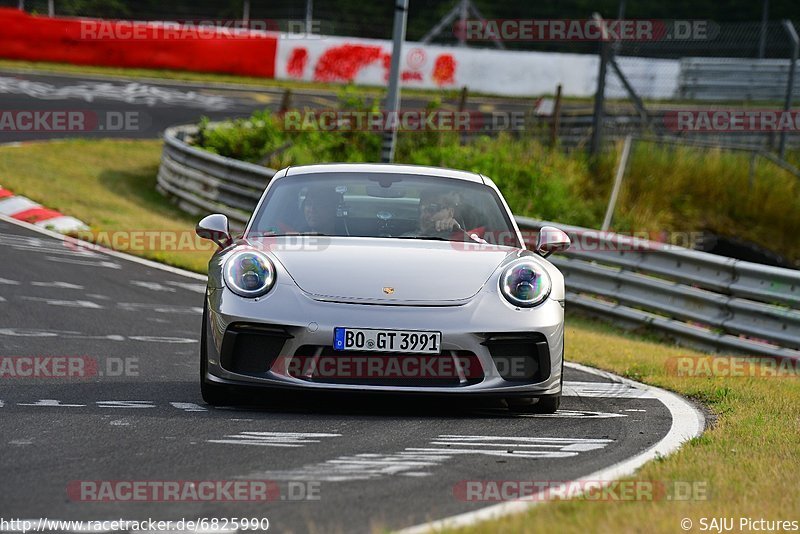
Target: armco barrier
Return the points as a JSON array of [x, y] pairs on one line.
[[718, 303], [202, 182], [734, 79]]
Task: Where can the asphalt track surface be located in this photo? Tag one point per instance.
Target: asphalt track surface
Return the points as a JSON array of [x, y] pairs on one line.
[[362, 463], [129, 108]]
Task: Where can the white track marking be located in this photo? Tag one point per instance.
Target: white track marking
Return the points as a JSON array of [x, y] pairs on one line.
[[605, 389], [66, 303], [687, 423], [132, 93], [413, 461], [7, 282], [273, 439], [561, 414], [197, 288], [59, 285], [188, 407], [85, 263], [2, 404], [52, 403], [125, 404], [2, 299], [159, 308], [160, 339], [32, 332], [154, 286]]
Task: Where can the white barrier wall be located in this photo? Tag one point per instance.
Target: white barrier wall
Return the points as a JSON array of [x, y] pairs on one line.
[[501, 72]]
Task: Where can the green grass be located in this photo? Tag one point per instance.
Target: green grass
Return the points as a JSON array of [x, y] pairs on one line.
[[749, 460], [110, 185]]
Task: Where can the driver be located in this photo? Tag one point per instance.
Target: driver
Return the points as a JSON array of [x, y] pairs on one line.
[[436, 213]]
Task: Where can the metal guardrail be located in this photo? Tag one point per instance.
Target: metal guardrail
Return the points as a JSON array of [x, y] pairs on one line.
[[734, 79], [202, 182], [718, 303]]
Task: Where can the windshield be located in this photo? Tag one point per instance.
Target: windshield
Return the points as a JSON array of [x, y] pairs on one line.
[[384, 205]]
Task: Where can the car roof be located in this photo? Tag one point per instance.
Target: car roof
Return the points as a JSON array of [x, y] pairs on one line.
[[389, 168]]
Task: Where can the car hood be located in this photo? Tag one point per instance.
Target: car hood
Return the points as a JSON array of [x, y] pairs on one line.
[[389, 270]]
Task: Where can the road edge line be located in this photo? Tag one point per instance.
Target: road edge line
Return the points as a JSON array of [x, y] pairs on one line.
[[687, 422]]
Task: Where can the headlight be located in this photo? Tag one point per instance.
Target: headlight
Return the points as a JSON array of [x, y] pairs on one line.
[[249, 273], [525, 284]]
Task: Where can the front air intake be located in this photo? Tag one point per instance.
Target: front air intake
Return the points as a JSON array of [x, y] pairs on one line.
[[252, 349], [520, 357]]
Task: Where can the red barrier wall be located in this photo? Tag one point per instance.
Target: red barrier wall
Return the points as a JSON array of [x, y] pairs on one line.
[[134, 44]]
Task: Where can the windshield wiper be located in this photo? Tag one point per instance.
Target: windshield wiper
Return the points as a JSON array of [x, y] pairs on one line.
[[426, 237], [294, 234]]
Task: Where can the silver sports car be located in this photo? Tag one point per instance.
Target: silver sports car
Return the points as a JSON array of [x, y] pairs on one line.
[[383, 278]]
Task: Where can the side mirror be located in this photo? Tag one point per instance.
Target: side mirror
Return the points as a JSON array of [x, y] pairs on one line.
[[550, 240], [215, 228]]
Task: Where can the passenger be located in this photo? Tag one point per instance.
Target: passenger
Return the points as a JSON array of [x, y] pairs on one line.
[[319, 211]]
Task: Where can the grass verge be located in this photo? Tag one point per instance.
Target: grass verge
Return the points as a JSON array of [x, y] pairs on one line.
[[110, 185], [749, 461]]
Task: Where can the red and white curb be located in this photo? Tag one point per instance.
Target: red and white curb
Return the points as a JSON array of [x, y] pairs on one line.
[[25, 209]]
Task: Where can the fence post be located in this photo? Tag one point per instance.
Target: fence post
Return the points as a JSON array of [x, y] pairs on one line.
[[600, 95], [393, 98], [309, 17], [51, 8], [462, 105], [286, 101], [787, 105], [612, 202], [556, 126]]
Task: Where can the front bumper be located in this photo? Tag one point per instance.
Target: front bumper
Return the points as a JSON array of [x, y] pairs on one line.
[[293, 321]]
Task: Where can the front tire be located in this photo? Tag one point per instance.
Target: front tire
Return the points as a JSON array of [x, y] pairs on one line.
[[212, 393], [542, 405]]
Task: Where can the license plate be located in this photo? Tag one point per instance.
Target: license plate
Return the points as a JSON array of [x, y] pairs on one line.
[[371, 340]]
